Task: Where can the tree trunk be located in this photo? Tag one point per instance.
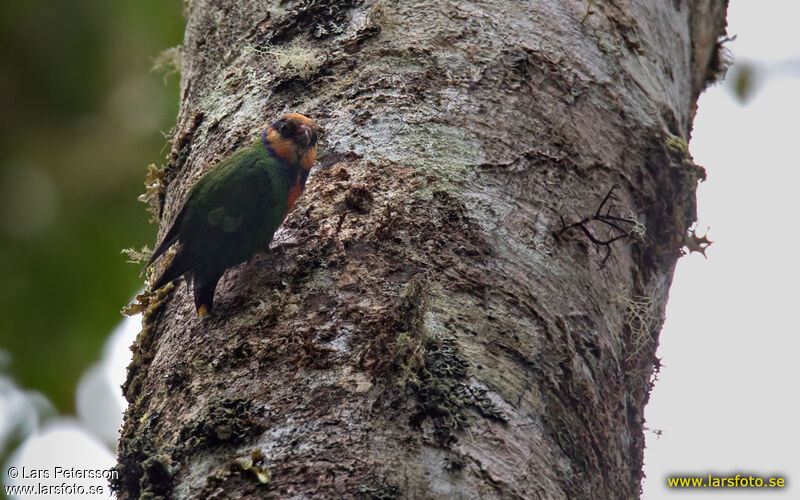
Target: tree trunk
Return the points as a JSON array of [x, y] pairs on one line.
[[449, 319]]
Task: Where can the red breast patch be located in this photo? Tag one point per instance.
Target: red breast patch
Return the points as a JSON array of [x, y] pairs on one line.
[[294, 193]]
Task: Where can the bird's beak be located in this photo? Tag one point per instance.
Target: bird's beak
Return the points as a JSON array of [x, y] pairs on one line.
[[305, 134]]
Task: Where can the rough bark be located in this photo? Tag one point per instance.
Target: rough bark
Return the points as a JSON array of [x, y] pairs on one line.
[[432, 332]]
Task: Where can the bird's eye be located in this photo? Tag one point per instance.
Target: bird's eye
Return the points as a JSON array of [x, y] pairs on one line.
[[283, 127]]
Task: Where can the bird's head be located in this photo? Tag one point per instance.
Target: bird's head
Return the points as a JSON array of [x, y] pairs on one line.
[[293, 137]]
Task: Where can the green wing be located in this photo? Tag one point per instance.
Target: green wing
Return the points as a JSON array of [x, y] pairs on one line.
[[230, 213]]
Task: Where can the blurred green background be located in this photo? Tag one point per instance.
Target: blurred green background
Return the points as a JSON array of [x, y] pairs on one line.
[[83, 114]]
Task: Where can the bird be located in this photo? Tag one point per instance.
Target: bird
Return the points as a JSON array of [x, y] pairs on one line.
[[234, 209]]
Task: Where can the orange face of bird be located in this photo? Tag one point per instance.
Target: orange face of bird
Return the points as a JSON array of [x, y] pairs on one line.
[[293, 137]]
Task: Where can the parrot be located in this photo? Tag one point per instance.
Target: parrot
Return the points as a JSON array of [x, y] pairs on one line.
[[234, 209]]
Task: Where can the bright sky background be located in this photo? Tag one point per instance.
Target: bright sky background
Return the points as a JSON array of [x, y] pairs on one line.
[[727, 396], [726, 400]]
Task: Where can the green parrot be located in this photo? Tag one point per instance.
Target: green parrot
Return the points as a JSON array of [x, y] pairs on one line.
[[234, 209]]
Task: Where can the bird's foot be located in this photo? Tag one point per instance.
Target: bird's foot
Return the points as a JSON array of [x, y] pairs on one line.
[[204, 313]]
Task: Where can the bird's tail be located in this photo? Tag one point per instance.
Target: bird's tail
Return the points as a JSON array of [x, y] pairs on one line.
[[170, 238], [180, 264]]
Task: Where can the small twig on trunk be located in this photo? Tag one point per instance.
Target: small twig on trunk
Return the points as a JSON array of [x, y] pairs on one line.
[[616, 224]]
